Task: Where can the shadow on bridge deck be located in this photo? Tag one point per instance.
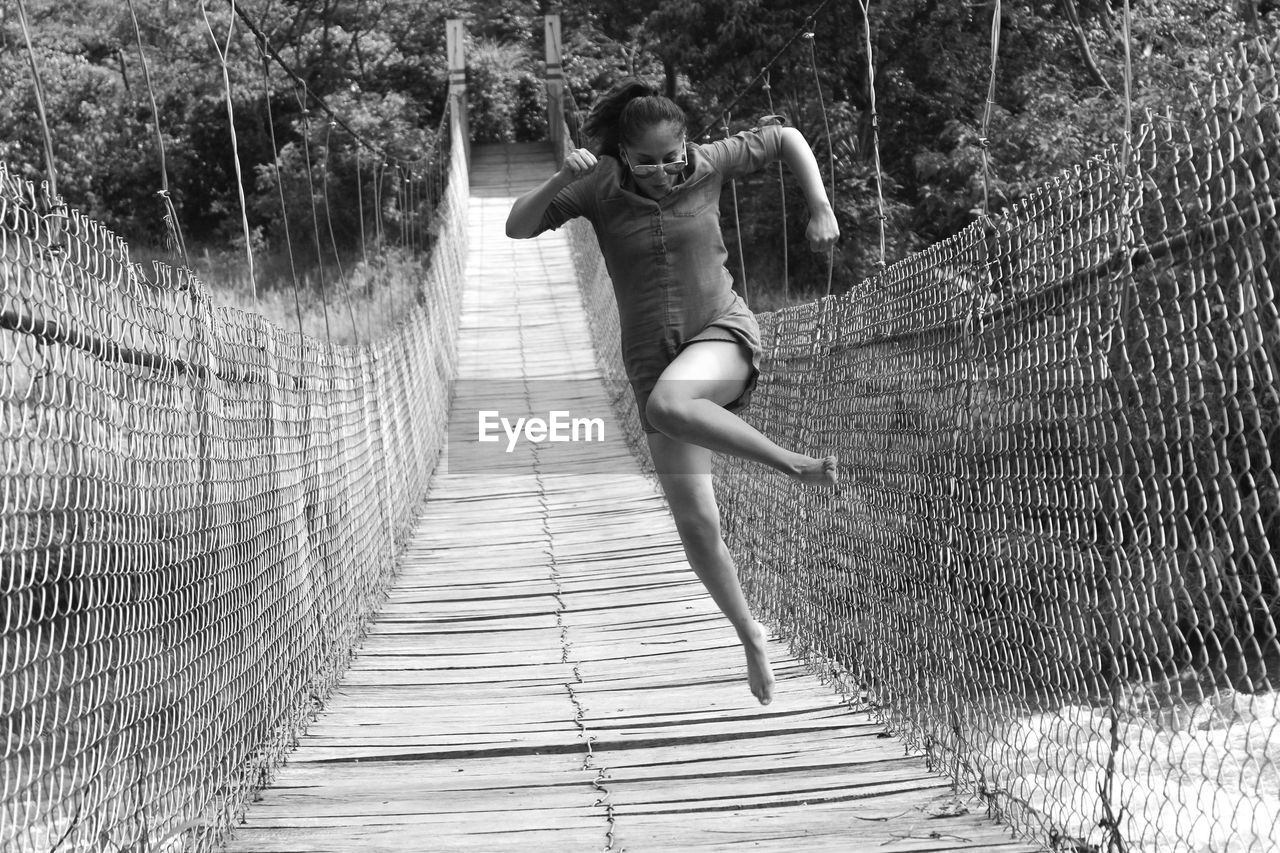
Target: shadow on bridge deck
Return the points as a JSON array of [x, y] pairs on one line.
[[547, 674]]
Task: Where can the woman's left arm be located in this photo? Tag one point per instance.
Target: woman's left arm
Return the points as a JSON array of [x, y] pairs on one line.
[[822, 231]]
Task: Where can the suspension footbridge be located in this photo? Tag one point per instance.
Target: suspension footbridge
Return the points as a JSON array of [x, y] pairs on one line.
[[548, 673], [258, 595]]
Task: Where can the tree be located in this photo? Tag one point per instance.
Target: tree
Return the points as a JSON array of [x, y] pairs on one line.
[[1058, 101]]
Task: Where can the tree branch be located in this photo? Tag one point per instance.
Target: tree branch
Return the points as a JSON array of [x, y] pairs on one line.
[[1086, 53]]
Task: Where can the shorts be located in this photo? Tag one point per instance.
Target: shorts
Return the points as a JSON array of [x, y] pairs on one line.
[[739, 326]]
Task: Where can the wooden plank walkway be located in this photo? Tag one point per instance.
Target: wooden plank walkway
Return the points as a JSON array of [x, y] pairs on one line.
[[548, 675]]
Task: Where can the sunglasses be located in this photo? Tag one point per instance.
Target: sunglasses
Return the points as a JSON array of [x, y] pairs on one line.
[[648, 170]]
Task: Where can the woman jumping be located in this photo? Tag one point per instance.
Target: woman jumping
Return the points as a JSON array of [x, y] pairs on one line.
[[654, 201]]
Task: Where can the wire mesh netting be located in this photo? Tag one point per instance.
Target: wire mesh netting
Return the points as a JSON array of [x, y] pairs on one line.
[[1051, 564], [199, 512]]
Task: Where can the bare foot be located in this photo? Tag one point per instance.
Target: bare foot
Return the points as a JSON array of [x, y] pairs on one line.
[[818, 472], [759, 673]]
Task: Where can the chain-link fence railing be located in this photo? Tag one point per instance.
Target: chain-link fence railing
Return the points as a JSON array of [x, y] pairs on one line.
[[1052, 562], [199, 511]]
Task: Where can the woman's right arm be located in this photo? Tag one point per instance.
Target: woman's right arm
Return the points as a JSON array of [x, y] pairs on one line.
[[526, 213]]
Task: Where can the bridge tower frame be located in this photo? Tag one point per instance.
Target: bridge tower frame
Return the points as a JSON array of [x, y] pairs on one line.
[[555, 85], [455, 35]]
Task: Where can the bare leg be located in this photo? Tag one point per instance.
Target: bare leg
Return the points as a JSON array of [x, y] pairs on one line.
[[693, 505], [687, 405]]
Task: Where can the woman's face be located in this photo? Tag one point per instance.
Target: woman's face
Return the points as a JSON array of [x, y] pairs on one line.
[[657, 145]]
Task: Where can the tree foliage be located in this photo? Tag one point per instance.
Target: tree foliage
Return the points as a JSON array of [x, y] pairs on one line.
[[1059, 99], [380, 65]]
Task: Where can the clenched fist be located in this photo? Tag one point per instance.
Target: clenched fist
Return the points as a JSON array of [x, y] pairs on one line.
[[578, 163], [822, 231]]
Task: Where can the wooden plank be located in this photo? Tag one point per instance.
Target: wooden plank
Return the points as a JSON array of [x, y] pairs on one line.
[[464, 837]]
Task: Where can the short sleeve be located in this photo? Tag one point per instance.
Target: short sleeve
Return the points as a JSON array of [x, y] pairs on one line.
[[567, 204], [745, 151]]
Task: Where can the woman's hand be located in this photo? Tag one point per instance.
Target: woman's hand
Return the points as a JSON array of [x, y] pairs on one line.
[[578, 163], [527, 211], [823, 230]]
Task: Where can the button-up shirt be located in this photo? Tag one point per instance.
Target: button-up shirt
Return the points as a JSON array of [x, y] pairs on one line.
[[666, 257]]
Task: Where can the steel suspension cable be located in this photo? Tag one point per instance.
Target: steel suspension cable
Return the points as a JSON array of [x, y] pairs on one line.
[[1112, 819], [1128, 83], [831, 153], [171, 213], [576, 130], [333, 240], [400, 204], [799, 34], [875, 126], [737, 227], [317, 99], [1125, 234], [364, 243], [51, 168], [275, 166], [410, 232], [415, 201], [379, 227], [767, 88], [407, 207], [315, 218], [235, 145], [407, 213], [983, 140]]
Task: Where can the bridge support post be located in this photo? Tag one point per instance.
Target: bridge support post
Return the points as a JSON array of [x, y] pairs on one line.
[[555, 86], [457, 56]]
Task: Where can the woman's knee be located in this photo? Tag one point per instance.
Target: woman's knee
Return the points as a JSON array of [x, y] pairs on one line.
[[697, 518], [667, 409], [699, 532]]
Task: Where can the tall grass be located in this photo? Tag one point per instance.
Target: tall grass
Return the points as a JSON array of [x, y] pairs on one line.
[[363, 302]]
